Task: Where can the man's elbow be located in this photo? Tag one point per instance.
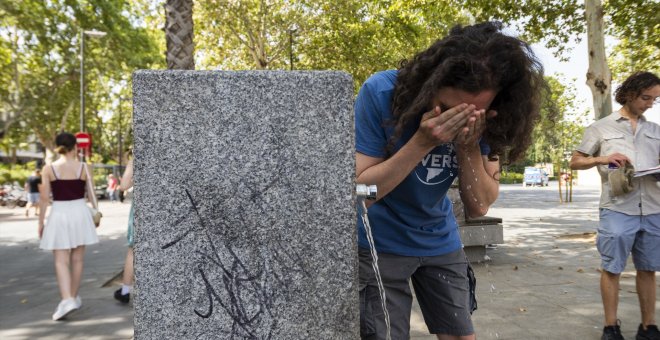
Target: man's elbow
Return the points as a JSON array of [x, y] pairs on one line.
[[477, 212]]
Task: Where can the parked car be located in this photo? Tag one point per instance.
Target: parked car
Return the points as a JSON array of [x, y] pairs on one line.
[[534, 177]]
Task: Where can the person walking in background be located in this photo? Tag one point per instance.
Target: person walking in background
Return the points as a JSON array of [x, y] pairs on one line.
[[123, 294], [112, 188], [451, 111], [32, 185], [70, 226], [629, 221]]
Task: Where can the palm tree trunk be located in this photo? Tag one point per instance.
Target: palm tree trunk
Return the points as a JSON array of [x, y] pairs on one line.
[[179, 35]]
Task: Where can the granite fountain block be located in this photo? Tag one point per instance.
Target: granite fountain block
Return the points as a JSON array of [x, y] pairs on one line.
[[245, 205]]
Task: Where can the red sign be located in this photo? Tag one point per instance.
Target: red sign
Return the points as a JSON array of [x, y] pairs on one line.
[[84, 140]]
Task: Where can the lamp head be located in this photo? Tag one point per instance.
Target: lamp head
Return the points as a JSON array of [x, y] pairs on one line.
[[95, 33]]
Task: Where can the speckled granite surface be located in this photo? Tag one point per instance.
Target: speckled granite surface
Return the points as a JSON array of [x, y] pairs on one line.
[[245, 218]]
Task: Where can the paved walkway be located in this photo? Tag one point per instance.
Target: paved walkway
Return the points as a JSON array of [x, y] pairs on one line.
[[541, 284], [28, 289]]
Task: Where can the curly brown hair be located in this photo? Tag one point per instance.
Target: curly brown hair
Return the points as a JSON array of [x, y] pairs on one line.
[[473, 59], [633, 86]]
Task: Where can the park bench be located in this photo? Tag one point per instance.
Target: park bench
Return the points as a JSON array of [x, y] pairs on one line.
[[476, 233]]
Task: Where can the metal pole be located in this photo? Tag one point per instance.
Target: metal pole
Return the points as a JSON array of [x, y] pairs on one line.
[[291, 49], [82, 81], [120, 141], [82, 88]]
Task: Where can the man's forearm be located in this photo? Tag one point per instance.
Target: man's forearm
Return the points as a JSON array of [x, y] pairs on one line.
[[584, 162], [392, 171], [478, 188]]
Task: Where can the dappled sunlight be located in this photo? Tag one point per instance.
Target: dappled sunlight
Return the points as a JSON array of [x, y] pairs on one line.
[[29, 290], [72, 328], [547, 270]]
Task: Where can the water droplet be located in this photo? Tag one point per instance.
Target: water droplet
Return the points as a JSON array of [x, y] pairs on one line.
[[481, 204], [469, 187], [476, 179], [475, 199]]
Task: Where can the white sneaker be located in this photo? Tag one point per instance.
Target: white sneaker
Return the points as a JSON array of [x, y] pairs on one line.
[[64, 308], [78, 302]]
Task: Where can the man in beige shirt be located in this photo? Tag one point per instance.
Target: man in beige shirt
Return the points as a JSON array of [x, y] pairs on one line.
[[629, 219]]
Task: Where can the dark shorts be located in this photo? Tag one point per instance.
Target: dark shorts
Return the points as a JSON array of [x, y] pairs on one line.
[[620, 234], [441, 286]]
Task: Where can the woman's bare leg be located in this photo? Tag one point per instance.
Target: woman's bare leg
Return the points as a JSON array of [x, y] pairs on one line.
[[62, 272], [77, 257]]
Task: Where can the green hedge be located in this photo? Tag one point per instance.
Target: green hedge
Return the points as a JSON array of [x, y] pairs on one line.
[[511, 178], [16, 173]]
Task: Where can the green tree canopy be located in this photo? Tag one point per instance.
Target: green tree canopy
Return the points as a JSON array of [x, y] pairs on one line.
[[41, 77], [634, 24], [553, 139], [356, 36]]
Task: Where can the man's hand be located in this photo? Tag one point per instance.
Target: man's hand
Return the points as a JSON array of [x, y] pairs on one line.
[[475, 127], [618, 159], [439, 127]]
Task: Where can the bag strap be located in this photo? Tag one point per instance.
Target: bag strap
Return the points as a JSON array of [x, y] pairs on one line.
[[81, 170], [54, 172], [91, 189]]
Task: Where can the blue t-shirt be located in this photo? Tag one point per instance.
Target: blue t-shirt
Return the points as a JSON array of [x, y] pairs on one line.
[[416, 217]]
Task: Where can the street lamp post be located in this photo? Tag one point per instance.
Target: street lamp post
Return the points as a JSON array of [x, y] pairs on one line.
[[120, 153], [93, 34], [291, 30]]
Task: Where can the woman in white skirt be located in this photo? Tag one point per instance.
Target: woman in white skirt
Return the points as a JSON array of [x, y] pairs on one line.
[[69, 227]]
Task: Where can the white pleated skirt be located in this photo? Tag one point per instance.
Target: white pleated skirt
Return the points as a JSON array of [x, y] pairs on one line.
[[68, 226]]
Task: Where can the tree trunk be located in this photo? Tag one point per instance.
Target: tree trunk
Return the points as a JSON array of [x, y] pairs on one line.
[[179, 35], [599, 78]]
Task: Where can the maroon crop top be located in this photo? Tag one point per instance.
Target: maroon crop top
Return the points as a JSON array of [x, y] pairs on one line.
[[68, 189]]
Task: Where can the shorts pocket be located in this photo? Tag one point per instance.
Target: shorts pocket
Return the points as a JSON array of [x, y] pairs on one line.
[[605, 245], [368, 298]]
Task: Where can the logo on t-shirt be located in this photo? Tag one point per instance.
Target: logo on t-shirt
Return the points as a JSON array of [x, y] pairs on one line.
[[438, 166]]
